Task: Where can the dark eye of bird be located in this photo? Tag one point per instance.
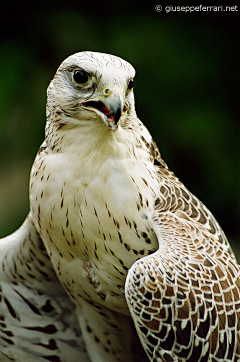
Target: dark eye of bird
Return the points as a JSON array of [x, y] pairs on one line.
[[130, 84], [80, 76]]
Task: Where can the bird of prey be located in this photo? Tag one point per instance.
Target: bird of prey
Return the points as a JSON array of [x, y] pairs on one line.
[[126, 239]]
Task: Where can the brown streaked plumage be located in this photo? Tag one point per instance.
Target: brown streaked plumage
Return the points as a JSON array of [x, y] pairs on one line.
[[126, 239], [185, 298]]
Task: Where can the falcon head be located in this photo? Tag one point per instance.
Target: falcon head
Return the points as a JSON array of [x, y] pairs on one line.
[[92, 87]]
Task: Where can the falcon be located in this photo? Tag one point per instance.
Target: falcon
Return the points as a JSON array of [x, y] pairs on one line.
[[140, 257]]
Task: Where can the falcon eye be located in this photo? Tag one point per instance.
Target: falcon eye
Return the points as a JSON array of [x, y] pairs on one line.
[[80, 77], [130, 84]]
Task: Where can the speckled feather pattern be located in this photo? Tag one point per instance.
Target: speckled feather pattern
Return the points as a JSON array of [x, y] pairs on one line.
[[37, 321], [126, 239], [185, 297]]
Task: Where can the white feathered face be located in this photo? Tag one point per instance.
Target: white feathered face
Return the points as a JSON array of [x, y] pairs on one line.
[[93, 86]]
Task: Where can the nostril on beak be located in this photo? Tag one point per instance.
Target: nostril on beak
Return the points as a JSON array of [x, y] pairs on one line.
[[106, 92]]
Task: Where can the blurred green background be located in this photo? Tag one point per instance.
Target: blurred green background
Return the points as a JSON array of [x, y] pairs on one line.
[[186, 90]]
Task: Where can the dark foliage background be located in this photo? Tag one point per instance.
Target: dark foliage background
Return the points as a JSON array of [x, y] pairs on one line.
[[187, 90]]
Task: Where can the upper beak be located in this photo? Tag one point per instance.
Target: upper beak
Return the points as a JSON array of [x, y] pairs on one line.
[[108, 108]]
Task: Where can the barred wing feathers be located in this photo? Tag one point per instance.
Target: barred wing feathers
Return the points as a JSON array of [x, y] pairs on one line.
[[185, 298]]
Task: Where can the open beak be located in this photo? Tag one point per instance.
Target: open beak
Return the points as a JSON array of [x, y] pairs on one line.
[[109, 108]]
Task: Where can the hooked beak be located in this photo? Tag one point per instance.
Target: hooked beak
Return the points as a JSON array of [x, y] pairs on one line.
[[109, 108]]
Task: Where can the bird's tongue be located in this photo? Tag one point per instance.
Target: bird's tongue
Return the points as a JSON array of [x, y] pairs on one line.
[[108, 112], [110, 117], [104, 109], [111, 122], [101, 107]]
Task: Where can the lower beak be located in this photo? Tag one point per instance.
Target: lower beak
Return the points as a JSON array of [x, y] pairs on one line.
[[109, 109], [114, 105]]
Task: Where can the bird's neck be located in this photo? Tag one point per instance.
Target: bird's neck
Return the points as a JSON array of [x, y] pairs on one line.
[[88, 139]]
